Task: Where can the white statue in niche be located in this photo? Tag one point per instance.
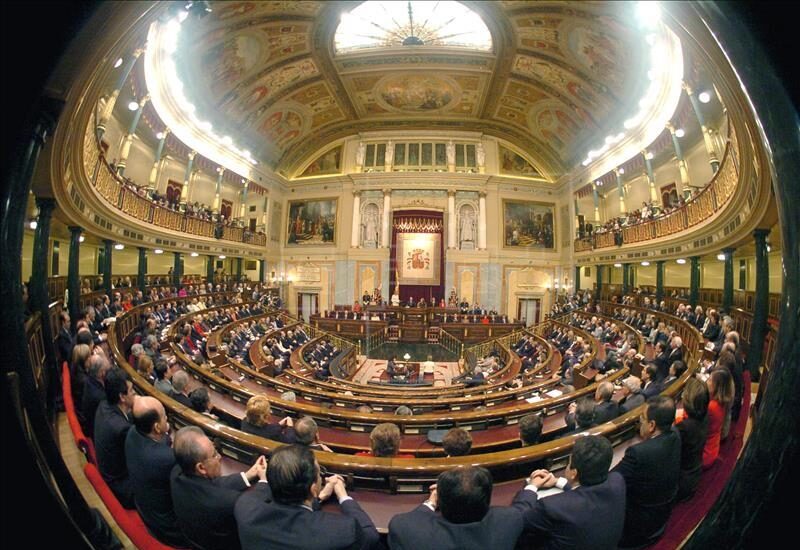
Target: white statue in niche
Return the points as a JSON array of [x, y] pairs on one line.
[[451, 153], [369, 224], [361, 152], [467, 229], [480, 154]]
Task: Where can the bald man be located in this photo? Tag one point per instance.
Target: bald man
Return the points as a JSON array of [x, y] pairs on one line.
[[150, 461], [203, 498]]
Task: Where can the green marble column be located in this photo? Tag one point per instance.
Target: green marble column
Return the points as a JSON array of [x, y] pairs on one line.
[[659, 280], [238, 270], [758, 330], [142, 282], [73, 274], [177, 270], [37, 293], [210, 269], [727, 292], [694, 280], [40, 301], [108, 245], [599, 281], [577, 277], [261, 270], [626, 282]]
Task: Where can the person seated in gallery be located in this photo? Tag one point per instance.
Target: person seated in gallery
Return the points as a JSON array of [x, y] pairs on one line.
[[422, 303], [396, 299], [366, 298], [356, 307]]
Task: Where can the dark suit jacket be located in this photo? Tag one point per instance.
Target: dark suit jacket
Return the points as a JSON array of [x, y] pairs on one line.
[[603, 412], [93, 394], [629, 403], [205, 508], [275, 432], [264, 523], [65, 344], [110, 429], [653, 388], [693, 439], [500, 528], [181, 398], [589, 517], [651, 470], [149, 466]]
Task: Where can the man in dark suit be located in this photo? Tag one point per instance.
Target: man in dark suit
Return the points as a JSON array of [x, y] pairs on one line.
[[203, 498], [111, 424], [632, 395], [467, 521], [651, 470], [280, 513], [588, 516], [650, 384], [93, 391], [604, 409], [64, 339], [150, 461]]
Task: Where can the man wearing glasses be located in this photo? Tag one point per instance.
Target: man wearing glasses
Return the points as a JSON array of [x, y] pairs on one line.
[[202, 497]]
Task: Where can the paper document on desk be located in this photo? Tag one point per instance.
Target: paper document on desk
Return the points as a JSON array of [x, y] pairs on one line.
[[554, 393], [533, 399]]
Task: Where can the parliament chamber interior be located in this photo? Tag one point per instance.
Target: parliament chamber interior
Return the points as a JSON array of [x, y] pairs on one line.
[[414, 257]]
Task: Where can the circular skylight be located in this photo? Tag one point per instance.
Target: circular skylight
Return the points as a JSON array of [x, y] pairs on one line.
[[377, 24]]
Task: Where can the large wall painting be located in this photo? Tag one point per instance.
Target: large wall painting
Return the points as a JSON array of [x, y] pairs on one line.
[[418, 259], [327, 163], [514, 165], [312, 222], [528, 225], [416, 93]]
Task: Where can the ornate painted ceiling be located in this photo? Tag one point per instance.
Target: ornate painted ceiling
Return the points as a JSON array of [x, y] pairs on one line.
[[559, 75]]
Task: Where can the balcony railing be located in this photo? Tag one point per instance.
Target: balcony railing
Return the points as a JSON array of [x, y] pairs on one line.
[[121, 196], [709, 201]]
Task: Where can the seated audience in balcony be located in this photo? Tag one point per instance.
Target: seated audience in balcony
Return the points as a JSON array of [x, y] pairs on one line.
[[457, 442], [467, 520], [712, 328], [720, 392], [150, 460], [144, 366], [693, 429], [203, 498], [530, 429], [282, 513], [385, 442], [112, 421], [256, 422], [651, 470]]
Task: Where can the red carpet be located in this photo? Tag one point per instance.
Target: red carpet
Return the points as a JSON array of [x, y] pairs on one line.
[[685, 516]]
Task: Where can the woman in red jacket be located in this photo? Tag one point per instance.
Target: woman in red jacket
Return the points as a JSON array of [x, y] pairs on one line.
[[720, 390]]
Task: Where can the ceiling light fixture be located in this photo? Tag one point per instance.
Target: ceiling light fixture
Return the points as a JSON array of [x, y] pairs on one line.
[[158, 251], [680, 261], [721, 257], [617, 265], [34, 224], [160, 135], [621, 170], [194, 254], [81, 239], [680, 133], [704, 97], [222, 256], [117, 63], [119, 246], [645, 263], [132, 106]]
